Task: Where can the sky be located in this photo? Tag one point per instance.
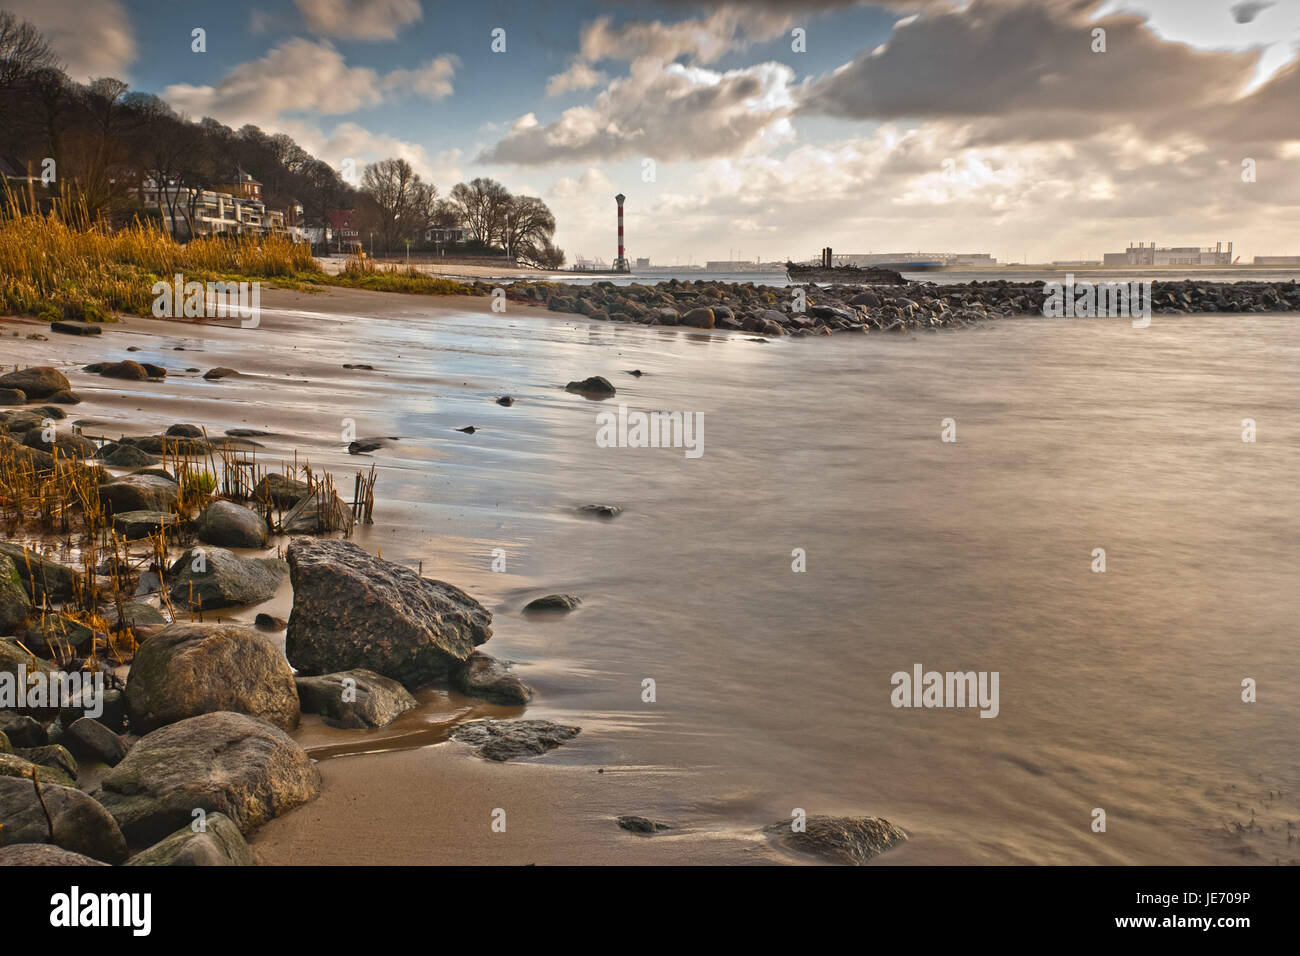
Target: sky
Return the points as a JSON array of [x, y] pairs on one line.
[[772, 128]]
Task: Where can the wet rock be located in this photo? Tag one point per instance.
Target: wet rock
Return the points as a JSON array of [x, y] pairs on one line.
[[12, 396], [128, 370], [508, 739], [218, 844], [636, 824], [700, 318], [181, 430], [41, 577], [63, 397], [134, 613], [468, 430], [76, 328], [269, 623], [505, 400], [354, 699], [601, 511], [43, 854], [188, 669], [133, 525], [226, 763], [361, 368], [36, 382], [489, 679], [127, 456], [171, 445], [91, 740], [139, 492], [80, 824], [211, 577], [315, 513], [22, 730], [553, 604], [352, 610], [281, 491], [16, 766], [219, 372], [850, 840], [596, 385], [230, 525], [110, 710], [51, 757], [54, 634], [362, 445]]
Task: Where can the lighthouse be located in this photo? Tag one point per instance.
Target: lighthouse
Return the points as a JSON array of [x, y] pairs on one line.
[[620, 264]]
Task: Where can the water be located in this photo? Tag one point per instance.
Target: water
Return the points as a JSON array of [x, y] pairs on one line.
[[1118, 690], [956, 276]]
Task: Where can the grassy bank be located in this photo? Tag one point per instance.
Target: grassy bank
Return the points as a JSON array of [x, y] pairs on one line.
[[57, 267]]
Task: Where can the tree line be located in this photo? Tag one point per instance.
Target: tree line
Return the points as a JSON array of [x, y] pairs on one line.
[[106, 141]]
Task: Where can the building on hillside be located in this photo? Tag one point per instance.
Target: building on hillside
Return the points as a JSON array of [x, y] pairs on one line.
[[1146, 254], [191, 213], [241, 185]]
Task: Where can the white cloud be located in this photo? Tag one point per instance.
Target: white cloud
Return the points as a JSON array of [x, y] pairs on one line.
[[432, 81], [92, 37], [579, 76], [359, 19]]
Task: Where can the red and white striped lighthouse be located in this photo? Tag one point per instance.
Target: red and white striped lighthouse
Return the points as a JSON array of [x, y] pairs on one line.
[[620, 264]]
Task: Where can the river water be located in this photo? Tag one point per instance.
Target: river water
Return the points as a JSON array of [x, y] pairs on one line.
[[1119, 690]]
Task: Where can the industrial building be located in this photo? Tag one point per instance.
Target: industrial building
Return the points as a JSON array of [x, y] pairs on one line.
[[977, 260], [1277, 260], [1146, 254]]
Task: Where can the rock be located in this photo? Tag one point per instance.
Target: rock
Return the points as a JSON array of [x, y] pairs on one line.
[[111, 711], [219, 844], [63, 397], [133, 525], [489, 679], [219, 372], [553, 603], [80, 824], [505, 400], [131, 371], [364, 445], [701, 318], [361, 368], [507, 739], [212, 577], [641, 825], [134, 613], [54, 633], [139, 493], [315, 515], [352, 610], [354, 699], [15, 605], [230, 525], [38, 382], [76, 328], [22, 730], [189, 669], [91, 740], [171, 445], [69, 446], [16, 766], [128, 456], [41, 577], [184, 431], [5, 746], [221, 763], [12, 396], [850, 840], [596, 385], [601, 511], [269, 623], [43, 854], [281, 491], [53, 757], [468, 430]]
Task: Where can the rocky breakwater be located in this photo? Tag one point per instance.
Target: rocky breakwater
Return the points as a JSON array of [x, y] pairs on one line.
[[821, 310]]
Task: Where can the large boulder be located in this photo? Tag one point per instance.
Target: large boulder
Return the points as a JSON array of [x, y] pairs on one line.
[[139, 493], [218, 843], [701, 318], [189, 669], [79, 823], [353, 610], [89, 739], [316, 513], [354, 699], [15, 659], [17, 765], [211, 577], [225, 763], [40, 576], [596, 386], [229, 525], [133, 525], [36, 382], [73, 446], [280, 491], [15, 605]]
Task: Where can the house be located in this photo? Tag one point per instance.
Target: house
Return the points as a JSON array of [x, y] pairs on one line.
[[240, 184], [444, 235], [190, 212]]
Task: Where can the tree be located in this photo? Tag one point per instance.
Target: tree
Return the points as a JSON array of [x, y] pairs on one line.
[[23, 52], [405, 205], [483, 204]]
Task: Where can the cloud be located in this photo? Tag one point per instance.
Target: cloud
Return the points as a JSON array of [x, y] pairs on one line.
[[1246, 12], [579, 76], [93, 37], [359, 19], [728, 29], [432, 81], [664, 111]]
